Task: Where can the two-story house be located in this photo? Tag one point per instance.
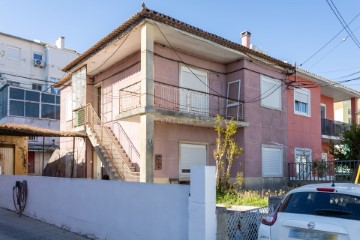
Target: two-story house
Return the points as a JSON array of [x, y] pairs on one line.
[[147, 94], [28, 70], [311, 120]]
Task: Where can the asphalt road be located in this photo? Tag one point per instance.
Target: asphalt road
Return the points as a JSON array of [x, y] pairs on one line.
[[13, 227]]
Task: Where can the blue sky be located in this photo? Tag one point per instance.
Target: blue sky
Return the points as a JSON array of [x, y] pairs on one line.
[[290, 30]]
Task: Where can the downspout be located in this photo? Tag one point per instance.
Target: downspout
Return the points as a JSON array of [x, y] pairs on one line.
[[43, 157]]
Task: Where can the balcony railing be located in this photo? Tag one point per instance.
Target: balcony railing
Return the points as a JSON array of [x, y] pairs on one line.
[[183, 100], [317, 171], [333, 128]]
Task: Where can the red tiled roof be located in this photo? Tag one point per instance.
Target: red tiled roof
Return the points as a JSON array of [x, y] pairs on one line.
[[146, 13]]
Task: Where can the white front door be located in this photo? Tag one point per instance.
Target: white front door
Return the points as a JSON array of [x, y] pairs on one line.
[[191, 155]]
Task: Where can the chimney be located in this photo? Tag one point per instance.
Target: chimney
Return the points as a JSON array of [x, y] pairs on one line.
[[245, 39], [60, 42]]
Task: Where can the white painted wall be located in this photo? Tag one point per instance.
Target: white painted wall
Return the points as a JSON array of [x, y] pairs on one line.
[[121, 210], [105, 209]]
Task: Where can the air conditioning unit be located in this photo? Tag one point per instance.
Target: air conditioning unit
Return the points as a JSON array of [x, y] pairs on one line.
[[39, 63]]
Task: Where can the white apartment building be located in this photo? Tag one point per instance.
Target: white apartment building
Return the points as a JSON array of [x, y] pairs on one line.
[[28, 69]]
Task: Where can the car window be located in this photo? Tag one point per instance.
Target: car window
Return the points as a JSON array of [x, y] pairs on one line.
[[323, 203]]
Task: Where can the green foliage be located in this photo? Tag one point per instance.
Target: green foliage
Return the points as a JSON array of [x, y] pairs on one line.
[[225, 152], [247, 197], [349, 146]]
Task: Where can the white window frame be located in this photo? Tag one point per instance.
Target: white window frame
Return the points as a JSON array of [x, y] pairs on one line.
[[265, 94], [69, 108], [187, 103], [323, 105], [302, 171], [38, 54], [278, 167], [305, 92]]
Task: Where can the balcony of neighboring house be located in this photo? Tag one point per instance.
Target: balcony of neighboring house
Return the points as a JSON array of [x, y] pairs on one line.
[[180, 105], [332, 130]]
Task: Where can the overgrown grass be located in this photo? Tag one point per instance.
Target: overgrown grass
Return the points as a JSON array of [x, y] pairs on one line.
[[247, 197]]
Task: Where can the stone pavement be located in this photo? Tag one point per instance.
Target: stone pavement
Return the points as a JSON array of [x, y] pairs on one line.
[[13, 227]]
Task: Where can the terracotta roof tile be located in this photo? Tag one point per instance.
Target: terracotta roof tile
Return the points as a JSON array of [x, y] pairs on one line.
[[146, 13]]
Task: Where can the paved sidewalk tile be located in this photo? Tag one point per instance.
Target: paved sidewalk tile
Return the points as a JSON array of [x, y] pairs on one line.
[[13, 227]]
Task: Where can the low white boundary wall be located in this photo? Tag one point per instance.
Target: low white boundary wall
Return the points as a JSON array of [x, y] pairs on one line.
[[121, 210]]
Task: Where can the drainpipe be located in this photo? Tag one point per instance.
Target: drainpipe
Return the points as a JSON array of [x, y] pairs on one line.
[[43, 158]]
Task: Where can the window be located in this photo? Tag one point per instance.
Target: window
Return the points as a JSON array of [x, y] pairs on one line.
[[270, 92], [191, 155], [33, 103], [302, 101], [37, 56], [194, 97], [13, 53], [32, 139], [272, 161], [36, 86]]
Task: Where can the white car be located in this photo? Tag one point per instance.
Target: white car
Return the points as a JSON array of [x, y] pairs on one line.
[[327, 211]]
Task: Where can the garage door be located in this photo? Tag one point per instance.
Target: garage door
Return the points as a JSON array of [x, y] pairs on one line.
[[7, 160], [191, 155]]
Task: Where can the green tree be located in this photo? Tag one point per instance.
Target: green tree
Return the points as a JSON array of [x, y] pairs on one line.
[[349, 146], [225, 152]]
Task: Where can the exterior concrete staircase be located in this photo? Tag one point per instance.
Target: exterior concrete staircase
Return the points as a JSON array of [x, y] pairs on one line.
[[113, 156]]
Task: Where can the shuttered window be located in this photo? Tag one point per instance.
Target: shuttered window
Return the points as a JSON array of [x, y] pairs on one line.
[[194, 97], [272, 161], [302, 101], [191, 155], [270, 92]]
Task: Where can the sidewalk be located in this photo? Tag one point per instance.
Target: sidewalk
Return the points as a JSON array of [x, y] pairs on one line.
[[13, 227]]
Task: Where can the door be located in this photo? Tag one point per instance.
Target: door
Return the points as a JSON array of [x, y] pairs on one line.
[[7, 160], [31, 162], [232, 100], [191, 155], [303, 161]]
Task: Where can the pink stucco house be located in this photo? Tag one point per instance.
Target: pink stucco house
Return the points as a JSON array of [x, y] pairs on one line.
[[147, 93]]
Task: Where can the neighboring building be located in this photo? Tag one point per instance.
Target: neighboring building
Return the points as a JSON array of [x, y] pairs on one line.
[[147, 93], [343, 112], [14, 147], [28, 70], [311, 119]]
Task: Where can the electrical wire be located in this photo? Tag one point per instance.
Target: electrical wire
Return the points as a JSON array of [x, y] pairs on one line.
[[328, 42], [343, 23]]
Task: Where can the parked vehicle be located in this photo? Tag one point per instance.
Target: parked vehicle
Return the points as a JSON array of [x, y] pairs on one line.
[[326, 211]]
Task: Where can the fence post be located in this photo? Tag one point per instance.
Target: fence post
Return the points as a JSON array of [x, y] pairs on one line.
[[202, 203]]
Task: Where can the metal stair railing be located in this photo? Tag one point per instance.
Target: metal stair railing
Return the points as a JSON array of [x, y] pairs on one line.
[[126, 143], [111, 147]]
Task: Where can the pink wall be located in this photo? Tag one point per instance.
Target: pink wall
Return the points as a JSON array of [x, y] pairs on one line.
[[304, 131], [329, 102], [167, 142]]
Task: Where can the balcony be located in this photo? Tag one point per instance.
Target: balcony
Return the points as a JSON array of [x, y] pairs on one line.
[[180, 105], [332, 129]]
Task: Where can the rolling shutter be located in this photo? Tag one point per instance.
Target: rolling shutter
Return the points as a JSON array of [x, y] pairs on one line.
[[191, 155], [272, 161]]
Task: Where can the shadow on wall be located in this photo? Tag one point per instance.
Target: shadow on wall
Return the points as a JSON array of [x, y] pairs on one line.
[[62, 165]]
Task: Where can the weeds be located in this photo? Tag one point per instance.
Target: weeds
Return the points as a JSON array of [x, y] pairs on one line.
[[247, 197]]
